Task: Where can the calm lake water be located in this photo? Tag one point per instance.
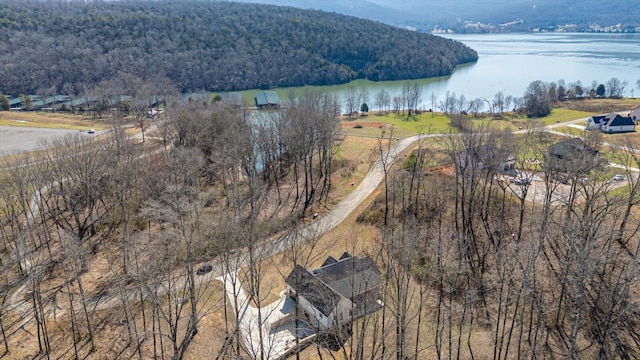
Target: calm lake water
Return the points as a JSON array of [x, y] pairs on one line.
[[510, 62]]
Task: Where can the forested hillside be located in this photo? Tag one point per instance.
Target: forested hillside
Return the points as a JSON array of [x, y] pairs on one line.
[[207, 45]]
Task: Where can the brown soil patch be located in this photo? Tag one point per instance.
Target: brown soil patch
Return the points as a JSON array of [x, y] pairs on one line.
[[444, 170], [357, 149]]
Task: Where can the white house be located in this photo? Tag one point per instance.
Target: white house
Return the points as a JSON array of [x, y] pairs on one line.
[[613, 123], [338, 292], [616, 123], [595, 122]]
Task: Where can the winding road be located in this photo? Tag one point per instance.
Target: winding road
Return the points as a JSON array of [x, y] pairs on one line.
[[19, 300]]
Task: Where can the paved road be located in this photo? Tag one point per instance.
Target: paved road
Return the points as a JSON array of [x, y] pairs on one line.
[[368, 185]]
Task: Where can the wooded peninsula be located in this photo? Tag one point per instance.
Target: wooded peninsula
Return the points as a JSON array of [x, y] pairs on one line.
[[213, 46]]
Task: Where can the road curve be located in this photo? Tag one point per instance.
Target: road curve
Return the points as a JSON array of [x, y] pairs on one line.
[[332, 219]]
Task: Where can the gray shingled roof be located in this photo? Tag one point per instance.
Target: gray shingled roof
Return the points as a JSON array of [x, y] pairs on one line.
[[266, 98], [618, 120], [572, 155], [598, 118], [315, 291], [351, 277], [570, 147]]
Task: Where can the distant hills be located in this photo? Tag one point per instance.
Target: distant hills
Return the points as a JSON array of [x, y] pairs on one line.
[[513, 15], [384, 12], [204, 45]]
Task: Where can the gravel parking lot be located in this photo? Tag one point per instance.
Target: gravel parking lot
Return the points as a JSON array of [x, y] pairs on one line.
[[15, 138]]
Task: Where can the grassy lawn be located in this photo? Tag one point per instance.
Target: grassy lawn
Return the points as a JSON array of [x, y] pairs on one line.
[[49, 120], [558, 115], [569, 130], [424, 123], [438, 123], [564, 114], [618, 156], [402, 125]]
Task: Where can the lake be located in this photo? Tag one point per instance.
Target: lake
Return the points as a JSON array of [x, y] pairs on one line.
[[510, 62]]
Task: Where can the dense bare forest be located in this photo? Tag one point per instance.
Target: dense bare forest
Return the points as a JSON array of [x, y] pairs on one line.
[[93, 225], [103, 239], [481, 268], [202, 45]]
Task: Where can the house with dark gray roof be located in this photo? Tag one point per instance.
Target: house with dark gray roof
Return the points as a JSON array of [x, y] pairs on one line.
[[616, 123], [267, 100], [572, 156], [612, 123], [338, 292]]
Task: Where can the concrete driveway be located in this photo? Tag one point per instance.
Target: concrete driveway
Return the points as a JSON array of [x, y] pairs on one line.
[[276, 339]]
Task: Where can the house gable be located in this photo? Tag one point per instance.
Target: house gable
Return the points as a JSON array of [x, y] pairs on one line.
[[330, 260], [338, 291], [595, 122], [317, 293], [616, 123]]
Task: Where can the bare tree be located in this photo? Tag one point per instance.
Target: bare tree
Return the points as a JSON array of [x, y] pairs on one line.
[[447, 105], [351, 100], [499, 102], [508, 100], [72, 91], [381, 100], [179, 207], [385, 159], [412, 95], [462, 105], [397, 104], [616, 87], [300, 249], [77, 197]]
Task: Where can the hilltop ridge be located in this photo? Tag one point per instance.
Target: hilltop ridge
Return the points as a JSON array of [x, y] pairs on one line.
[[472, 16]]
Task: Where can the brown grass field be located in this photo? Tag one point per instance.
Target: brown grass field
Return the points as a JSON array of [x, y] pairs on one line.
[[51, 120]]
